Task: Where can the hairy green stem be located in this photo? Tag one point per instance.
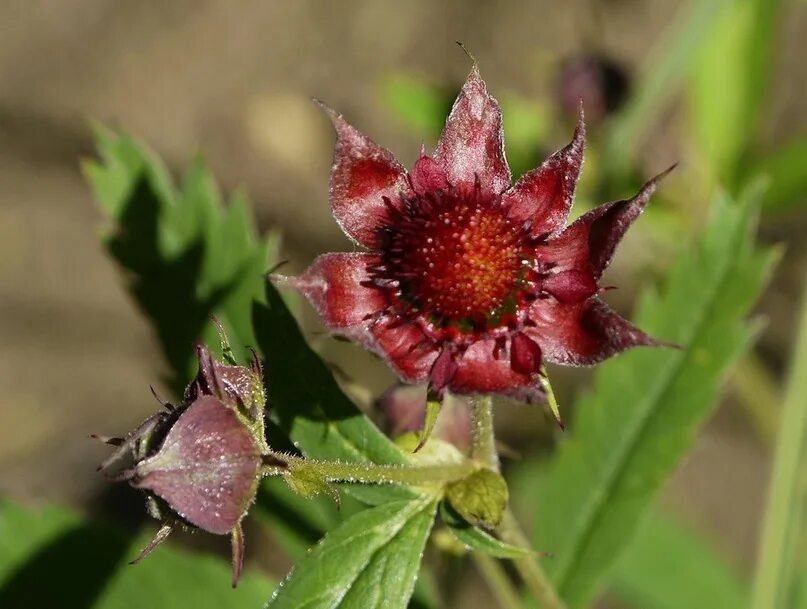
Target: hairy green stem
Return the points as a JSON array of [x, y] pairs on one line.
[[528, 567], [506, 595], [483, 448], [344, 471], [785, 503]]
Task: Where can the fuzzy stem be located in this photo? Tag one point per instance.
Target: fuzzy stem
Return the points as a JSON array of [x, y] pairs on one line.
[[342, 471], [484, 451], [495, 577], [528, 567], [483, 448]]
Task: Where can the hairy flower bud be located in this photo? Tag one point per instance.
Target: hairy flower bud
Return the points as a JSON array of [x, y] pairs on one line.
[[200, 462]]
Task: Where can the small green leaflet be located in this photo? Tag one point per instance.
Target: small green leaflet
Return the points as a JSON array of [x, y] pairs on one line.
[[45, 542], [477, 539], [645, 406], [370, 560]]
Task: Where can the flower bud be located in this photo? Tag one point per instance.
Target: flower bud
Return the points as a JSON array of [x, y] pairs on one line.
[[601, 84], [200, 463]]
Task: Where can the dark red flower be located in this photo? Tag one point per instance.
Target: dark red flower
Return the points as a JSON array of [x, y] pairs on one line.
[[470, 282]]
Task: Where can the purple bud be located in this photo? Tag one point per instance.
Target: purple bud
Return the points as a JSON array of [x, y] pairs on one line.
[[200, 462], [207, 467], [601, 83]]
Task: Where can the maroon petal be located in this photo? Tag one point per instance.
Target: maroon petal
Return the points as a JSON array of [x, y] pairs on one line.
[[206, 468], [582, 334], [405, 347], [363, 174], [525, 354], [443, 370], [544, 196], [480, 372], [570, 287], [428, 176], [589, 243], [472, 143], [336, 285]]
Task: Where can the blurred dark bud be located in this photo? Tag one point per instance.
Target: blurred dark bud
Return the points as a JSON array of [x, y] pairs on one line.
[[199, 462], [404, 410], [599, 81]]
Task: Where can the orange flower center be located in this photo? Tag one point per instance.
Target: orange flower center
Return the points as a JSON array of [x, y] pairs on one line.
[[455, 259]]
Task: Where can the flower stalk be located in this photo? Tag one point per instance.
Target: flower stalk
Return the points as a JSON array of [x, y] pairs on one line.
[[370, 473], [483, 448]]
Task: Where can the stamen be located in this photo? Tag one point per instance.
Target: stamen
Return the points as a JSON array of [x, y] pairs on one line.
[[455, 256]]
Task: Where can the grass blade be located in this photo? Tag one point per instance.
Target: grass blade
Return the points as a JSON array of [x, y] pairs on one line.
[[786, 496]]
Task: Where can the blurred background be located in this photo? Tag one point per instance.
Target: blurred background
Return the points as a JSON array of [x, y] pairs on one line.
[[717, 86]]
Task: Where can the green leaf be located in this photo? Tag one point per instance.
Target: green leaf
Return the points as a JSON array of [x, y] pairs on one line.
[[480, 498], [646, 405], [184, 253], [783, 524], [298, 522], [51, 558], [787, 179], [730, 79], [310, 407], [370, 560], [475, 538], [659, 567]]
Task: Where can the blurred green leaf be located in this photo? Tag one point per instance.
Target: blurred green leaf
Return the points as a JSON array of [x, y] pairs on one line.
[[785, 170], [370, 560], [52, 558], [418, 104], [663, 71], [184, 253], [668, 566], [475, 538], [782, 526], [310, 407], [730, 79], [646, 405]]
